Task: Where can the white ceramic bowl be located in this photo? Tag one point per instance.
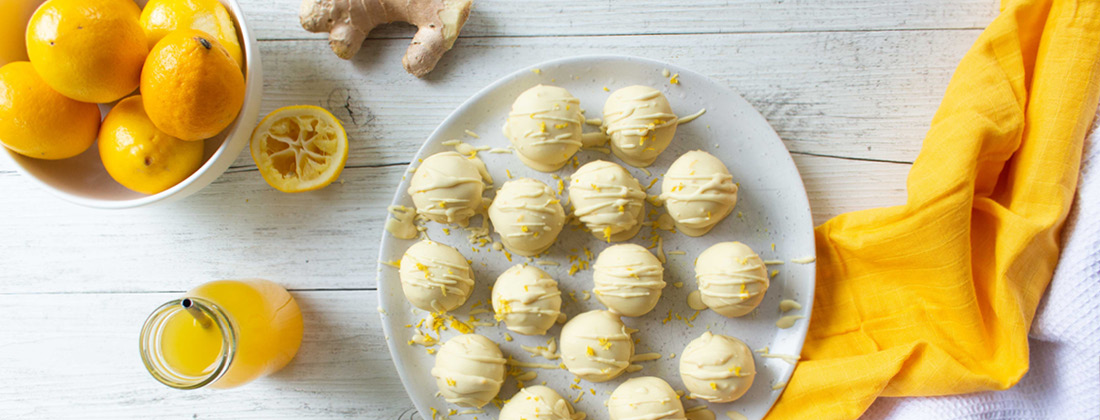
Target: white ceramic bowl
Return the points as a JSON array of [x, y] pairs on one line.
[[83, 180]]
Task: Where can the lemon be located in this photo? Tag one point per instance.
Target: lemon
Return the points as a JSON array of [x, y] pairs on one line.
[[141, 157], [299, 148], [89, 50], [191, 87], [14, 15], [159, 17], [39, 122]]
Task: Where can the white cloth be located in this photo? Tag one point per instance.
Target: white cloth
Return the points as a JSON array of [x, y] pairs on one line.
[[1063, 382]]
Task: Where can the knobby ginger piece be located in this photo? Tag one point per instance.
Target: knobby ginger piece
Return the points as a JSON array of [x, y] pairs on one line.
[[349, 21]]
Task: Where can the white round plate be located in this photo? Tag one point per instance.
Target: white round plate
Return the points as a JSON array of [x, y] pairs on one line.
[[772, 211]]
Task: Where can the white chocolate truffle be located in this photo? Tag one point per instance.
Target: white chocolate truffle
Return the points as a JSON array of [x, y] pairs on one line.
[[538, 403], [527, 215], [446, 188], [717, 368], [645, 397], [527, 300], [698, 192], [640, 123], [545, 127], [628, 279], [608, 200], [469, 370], [596, 346], [732, 279], [435, 277]]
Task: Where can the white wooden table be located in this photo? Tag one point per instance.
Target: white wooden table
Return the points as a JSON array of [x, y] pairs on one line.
[[850, 85]]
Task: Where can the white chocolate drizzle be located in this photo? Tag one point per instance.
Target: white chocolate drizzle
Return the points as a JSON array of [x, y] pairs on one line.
[[717, 368], [527, 216], [645, 357], [435, 277], [789, 358], [698, 192], [447, 188], [628, 279], [734, 415], [695, 301], [640, 123], [689, 118], [645, 398], [789, 305], [538, 403], [732, 279], [517, 363], [787, 321], [596, 346], [608, 200], [550, 352], [545, 127], [527, 300], [469, 370], [699, 412], [401, 225]]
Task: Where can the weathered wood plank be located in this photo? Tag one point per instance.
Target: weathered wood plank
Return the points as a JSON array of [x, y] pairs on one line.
[[837, 186], [279, 19], [76, 356], [863, 95], [240, 227]]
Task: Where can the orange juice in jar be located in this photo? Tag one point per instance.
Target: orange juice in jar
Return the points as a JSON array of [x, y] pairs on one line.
[[222, 334]]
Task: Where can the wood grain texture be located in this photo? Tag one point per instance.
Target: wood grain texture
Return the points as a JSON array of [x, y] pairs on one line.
[[863, 95], [75, 356], [489, 18], [858, 95]]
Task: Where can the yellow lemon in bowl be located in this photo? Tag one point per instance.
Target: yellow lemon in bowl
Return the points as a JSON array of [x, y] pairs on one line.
[[14, 15], [159, 17], [191, 87], [89, 50], [141, 157], [37, 121], [299, 148]]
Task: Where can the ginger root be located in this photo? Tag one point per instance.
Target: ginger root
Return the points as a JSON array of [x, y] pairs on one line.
[[349, 21]]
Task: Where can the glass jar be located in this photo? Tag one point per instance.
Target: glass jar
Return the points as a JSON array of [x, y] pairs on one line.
[[222, 334]]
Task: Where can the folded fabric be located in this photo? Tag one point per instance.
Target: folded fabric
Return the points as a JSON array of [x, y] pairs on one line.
[[1065, 335], [936, 297]]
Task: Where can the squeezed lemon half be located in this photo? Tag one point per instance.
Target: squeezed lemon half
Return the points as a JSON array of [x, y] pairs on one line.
[[299, 148]]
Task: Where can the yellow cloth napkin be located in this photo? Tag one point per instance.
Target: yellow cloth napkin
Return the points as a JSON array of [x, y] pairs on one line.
[[935, 297]]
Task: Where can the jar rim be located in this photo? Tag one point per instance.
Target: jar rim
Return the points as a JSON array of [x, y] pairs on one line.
[[153, 328]]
